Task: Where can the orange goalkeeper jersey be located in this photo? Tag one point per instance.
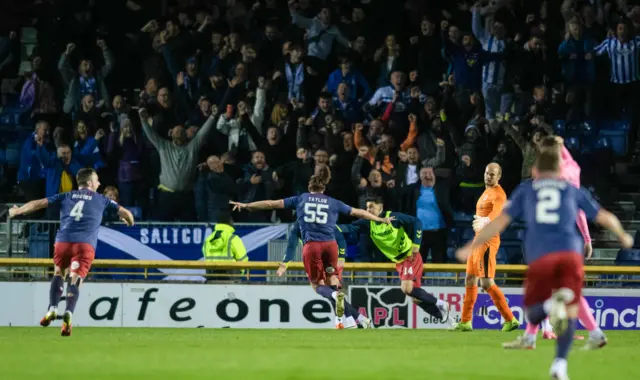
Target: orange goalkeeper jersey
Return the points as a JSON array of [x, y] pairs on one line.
[[490, 205]]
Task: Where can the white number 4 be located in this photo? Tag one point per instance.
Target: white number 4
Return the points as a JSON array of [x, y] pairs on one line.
[[76, 211], [548, 205], [315, 213], [408, 271]]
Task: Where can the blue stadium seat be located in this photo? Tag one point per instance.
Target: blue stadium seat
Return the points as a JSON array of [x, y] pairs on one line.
[[38, 242], [440, 278], [137, 212], [559, 127], [467, 235], [572, 143], [510, 234], [629, 257], [603, 143], [514, 254], [501, 257], [451, 254], [13, 154], [462, 217], [617, 132], [453, 237], [610, 281]]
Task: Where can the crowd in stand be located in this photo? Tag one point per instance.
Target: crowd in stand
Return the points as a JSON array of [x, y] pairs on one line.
[[242, 100]]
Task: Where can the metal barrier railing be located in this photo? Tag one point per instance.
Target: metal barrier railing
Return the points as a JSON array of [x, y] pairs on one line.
[[382, 273]]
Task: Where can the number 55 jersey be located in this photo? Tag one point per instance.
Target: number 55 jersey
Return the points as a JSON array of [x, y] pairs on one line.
[[549, 208], [317, 215]]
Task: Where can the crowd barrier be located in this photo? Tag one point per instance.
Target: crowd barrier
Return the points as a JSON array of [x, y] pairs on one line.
[[173, 252]]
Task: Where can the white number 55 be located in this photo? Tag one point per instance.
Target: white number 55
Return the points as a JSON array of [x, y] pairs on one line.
[[548, 205], [315, 213]]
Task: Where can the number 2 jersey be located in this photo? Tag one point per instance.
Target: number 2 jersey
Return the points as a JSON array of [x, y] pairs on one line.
[[317, 215], [81, 215], [549, 208]]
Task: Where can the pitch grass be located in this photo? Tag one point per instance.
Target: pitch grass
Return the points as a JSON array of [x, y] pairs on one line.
[[227, 354]]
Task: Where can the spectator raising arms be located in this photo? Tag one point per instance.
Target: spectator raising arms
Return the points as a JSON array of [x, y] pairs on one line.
[[178, 159]]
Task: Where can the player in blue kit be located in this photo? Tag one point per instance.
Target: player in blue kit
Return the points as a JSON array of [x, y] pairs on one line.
[[353, 317], [80, 217], [553, 247], [317, 216]]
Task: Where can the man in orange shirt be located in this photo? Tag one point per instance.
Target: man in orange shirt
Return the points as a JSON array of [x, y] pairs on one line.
[[482, 263]]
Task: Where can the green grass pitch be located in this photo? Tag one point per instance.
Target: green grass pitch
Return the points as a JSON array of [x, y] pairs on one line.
[[176, 354]]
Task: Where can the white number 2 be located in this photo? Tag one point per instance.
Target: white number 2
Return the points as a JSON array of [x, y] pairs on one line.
[[315, 213], [76, 211], [548, 205]]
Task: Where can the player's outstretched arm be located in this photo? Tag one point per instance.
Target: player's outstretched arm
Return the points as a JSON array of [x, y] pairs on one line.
[[492, 229], [358, 213], [28, 207], [611, 222], [126, 216], [257, 206]]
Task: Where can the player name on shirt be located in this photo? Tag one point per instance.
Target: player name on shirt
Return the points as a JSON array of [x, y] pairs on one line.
[[317, 200], [85, 197], [541, 183]]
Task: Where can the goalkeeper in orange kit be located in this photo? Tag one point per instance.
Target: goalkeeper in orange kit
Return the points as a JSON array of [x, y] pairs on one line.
[[481, 265]]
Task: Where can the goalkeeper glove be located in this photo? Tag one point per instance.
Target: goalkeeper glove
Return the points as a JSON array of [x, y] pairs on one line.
[[480, 222]]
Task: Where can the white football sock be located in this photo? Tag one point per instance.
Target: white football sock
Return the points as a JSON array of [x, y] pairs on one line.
[[596, 334], [559, 366], [546, 325], [349, 322]]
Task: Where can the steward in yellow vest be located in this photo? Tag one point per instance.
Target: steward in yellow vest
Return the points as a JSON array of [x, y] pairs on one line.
[[223, 245]]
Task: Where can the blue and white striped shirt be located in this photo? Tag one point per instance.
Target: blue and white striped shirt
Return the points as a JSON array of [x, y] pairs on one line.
[[493, 72], [623, 58]]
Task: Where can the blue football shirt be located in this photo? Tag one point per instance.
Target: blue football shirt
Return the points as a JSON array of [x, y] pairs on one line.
[[317, 215], [81, 215], [549, 208]]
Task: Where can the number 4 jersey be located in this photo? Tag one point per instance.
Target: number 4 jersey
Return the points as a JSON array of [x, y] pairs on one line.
[[81, 215], [317, 215], [549, 208]]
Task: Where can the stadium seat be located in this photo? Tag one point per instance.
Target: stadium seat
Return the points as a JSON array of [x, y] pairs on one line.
[[510, 234], [137, 212], [462, 217], [453, 237], [451, 254], [617, 132], [13, 154], [572, 143], [610, 281], [514, 254], [559, 127], [39, 243], [501, 257], [629, 257], [467, 235]]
